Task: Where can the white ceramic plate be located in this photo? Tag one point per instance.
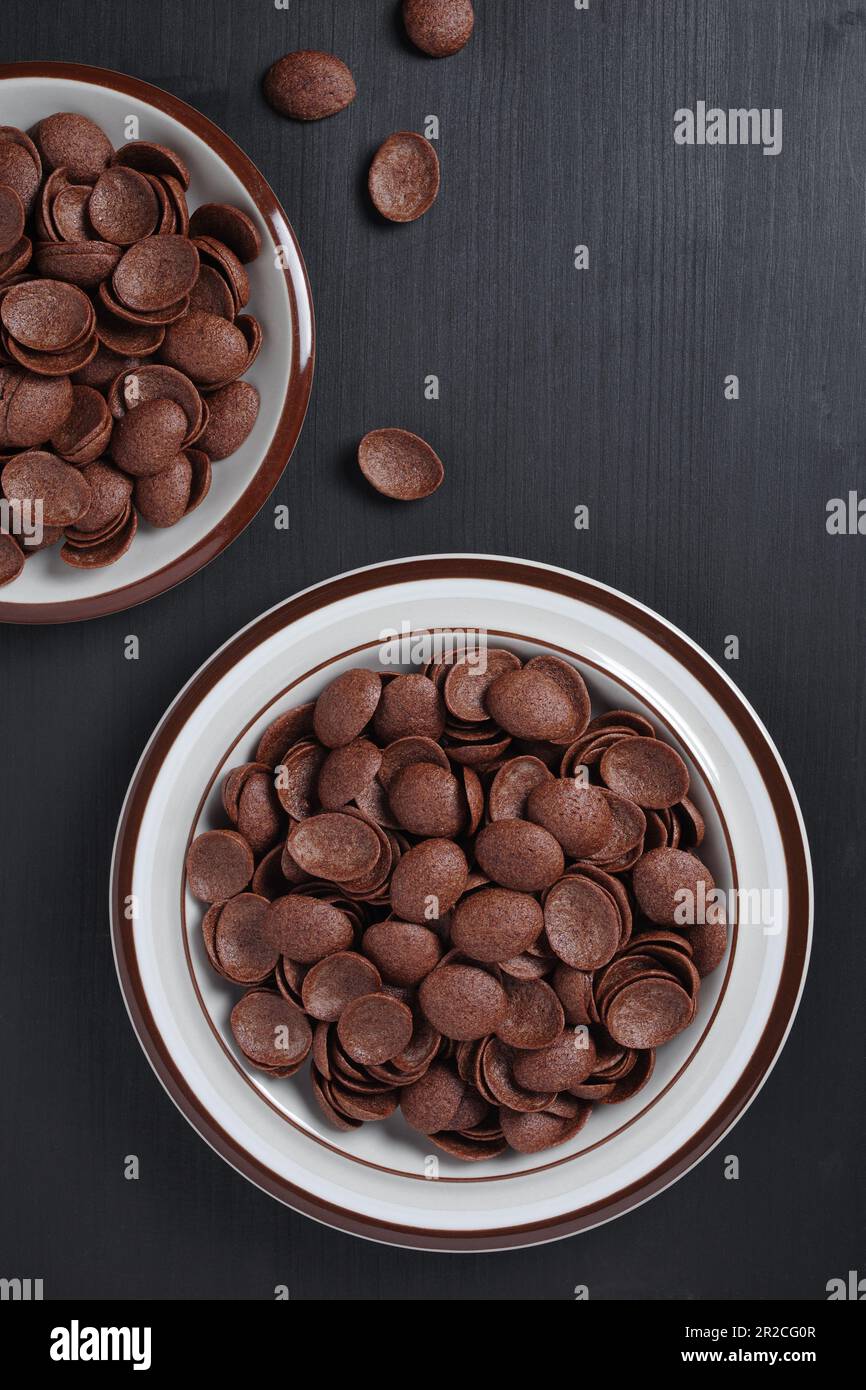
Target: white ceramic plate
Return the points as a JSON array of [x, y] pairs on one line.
[[50, 590], [376, 1181]]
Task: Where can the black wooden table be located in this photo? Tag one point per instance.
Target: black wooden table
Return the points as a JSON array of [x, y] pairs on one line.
[[558, 387]]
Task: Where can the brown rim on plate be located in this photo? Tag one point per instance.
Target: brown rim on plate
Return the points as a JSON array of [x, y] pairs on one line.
[[298, 387], [254, 1082], [714, 682]]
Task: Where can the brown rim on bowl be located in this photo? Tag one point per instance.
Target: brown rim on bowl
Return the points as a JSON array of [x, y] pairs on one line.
[[253, 1081], [714, 682], [298, 387]]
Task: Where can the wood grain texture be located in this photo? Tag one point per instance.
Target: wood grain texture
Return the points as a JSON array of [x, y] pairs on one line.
[[558, 387]]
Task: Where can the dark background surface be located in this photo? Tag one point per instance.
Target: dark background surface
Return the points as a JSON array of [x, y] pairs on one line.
[[603, 387]]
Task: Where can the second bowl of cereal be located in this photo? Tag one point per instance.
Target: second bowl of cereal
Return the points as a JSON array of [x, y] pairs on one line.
[[156, 342]]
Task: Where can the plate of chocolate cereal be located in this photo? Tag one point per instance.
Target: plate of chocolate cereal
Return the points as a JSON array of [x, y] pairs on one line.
[[461, 903], [156, 342]]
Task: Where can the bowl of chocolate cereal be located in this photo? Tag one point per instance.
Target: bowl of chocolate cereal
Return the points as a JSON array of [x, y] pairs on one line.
[[473, 902], [156, 342]]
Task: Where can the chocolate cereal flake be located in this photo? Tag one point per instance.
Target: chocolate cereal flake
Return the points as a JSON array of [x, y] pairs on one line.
[[404, 177], [439, 28], [400, 465], [309, 85]]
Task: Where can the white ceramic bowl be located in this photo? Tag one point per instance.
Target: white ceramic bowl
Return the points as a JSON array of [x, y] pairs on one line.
[[50, 590], [376, 1181]]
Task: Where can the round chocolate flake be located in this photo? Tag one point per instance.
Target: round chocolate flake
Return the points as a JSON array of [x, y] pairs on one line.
[[347, 772], [529, 1134], [709, 942], [404, 952], [147, 439], [582, 923], [335, 846], [271, 1032], [282, 732], [577, 816], [431, 1103], [512, 784], [646, 771], [519, 855], [404, 177], [648, 1012], [410, 706], [162, 499], [374, 1028], [410, 749], [296, 778], [86, 430], [530, 705], [35, 408], [428, 880], [20, 165], [628, 827], [496, 924], [306, 929], [573, 687], [155, 381], [345, 708], [400, 465], [68, 210], [239, 943], [229, 225], [219, 865], [110, 491], [428, 800], [123, 207], [468, 680], [309, 85], [209, 350], [151, 158], [533, 1016], [670, 884], [461, 1001], [73, 142], [439, 27], [156, 272], [232, 413], [106, 550], [565, 1063], [46, 315]]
